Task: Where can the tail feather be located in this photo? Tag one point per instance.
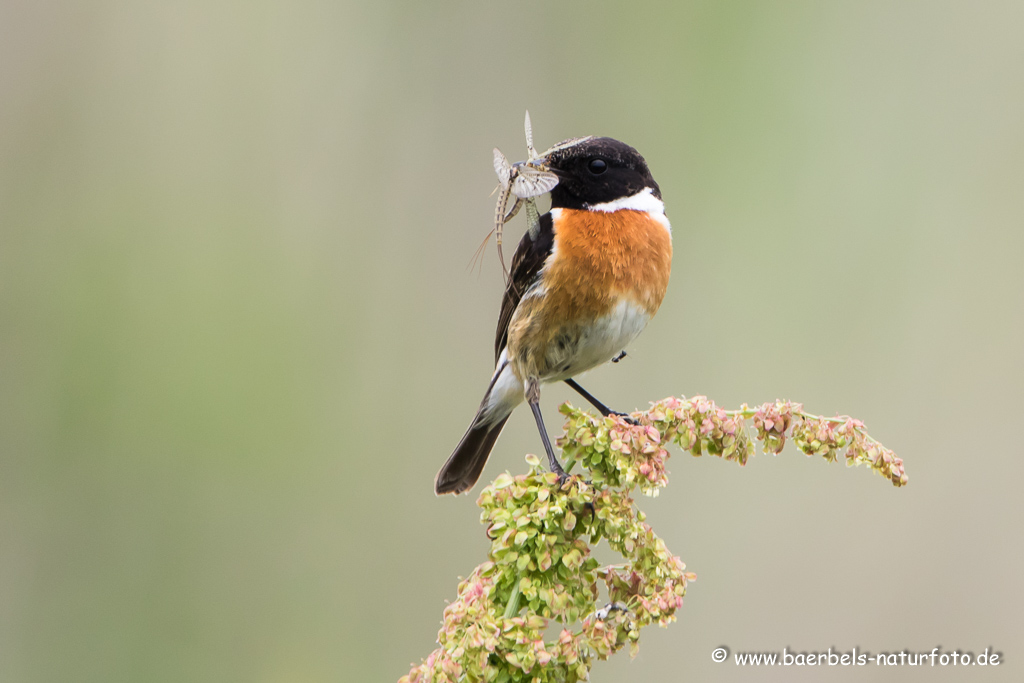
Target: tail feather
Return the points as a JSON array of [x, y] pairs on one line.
[[467, 461]]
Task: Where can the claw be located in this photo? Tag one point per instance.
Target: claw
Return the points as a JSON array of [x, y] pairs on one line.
[[625, 418]]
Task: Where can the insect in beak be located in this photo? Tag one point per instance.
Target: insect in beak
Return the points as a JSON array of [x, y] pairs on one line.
[[540, 164], [525, 180]]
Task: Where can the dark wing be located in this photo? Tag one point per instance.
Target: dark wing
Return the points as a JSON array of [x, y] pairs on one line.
[[526, 264]]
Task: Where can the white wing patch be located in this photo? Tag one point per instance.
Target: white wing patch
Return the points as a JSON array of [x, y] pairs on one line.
[[505, 394]]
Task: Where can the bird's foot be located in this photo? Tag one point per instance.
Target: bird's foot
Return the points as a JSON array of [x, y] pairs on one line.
[[569, 479], [625, 417], [562, 475]]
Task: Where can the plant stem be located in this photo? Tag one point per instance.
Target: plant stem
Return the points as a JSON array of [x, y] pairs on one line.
[[512, 608]]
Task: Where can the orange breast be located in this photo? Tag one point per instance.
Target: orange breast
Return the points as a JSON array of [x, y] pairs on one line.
[[600, 257]]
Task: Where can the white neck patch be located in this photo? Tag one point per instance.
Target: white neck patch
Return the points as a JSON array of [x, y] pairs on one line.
[[644, 200]]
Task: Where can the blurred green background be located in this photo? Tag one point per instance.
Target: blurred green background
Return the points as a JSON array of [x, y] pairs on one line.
[[238, 335]]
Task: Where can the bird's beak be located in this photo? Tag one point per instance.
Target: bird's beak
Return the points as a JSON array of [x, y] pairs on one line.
[[540, 164]]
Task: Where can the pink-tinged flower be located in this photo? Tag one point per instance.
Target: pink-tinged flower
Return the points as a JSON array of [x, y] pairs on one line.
[[539, 516]]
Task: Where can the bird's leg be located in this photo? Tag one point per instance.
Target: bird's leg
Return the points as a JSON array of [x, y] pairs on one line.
[[619, 356], [602, 408], [533, 398]]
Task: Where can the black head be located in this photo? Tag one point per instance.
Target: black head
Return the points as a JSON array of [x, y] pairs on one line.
[[597, 170]]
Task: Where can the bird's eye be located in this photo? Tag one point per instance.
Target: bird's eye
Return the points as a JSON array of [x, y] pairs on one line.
[[597, 166]]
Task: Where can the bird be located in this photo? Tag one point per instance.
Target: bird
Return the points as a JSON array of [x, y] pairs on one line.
[[582, 285]]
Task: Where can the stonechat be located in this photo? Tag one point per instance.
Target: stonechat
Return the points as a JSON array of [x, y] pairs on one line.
[[581, 287]]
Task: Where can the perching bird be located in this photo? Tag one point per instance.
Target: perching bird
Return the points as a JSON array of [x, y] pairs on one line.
[[581, 288]]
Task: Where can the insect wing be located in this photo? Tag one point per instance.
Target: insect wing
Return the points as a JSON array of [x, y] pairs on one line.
[[529, 137], [564, 144], [533, 182], [502, 168], [532, 218]]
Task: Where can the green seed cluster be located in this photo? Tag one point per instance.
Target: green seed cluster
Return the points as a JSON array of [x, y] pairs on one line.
[[540, 570]]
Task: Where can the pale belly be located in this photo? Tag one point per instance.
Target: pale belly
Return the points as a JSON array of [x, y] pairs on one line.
[[599, 342], [572, 349], [577, 346]]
